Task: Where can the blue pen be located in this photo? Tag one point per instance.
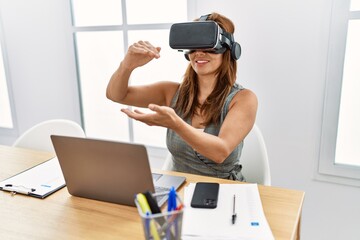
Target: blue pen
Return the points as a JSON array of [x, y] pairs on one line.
[[171, 203], [174, 199], [171, 207]]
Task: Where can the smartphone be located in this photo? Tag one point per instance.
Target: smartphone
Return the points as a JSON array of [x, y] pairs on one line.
[[205, 195]]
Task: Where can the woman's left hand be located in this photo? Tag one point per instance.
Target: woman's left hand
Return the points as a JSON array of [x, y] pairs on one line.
[[161, 116]]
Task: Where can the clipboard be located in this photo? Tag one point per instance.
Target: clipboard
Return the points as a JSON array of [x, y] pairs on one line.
[[39, 181]]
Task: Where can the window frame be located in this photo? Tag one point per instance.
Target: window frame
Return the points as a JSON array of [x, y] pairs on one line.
[[3, 130], [328, 170], [125, 27]]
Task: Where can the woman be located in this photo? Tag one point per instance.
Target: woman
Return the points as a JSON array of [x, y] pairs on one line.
[[207, 115]]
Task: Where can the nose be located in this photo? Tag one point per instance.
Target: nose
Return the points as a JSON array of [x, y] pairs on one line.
[[200, 51]]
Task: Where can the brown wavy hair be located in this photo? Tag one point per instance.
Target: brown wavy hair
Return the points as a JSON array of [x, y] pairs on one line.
[[187, 102]]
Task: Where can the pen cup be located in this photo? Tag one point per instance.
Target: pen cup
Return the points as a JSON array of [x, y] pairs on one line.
[[162, 226]]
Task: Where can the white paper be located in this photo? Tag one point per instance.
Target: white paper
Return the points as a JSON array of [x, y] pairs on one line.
[[44, 178], [216, 223]]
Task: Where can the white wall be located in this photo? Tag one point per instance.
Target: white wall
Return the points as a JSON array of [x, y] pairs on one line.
[[284, 61], [41, 59]]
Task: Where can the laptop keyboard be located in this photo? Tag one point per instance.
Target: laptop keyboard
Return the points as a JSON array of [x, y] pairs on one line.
[[159, 190], [156, 176]]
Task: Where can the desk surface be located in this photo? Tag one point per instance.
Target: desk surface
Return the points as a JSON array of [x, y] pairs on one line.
[[62, 216]]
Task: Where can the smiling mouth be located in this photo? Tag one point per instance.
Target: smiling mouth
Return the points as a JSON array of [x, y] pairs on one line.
[[201, 61]]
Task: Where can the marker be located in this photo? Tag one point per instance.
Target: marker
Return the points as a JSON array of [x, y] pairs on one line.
[[144, 205], [145, 208], [154, 207]]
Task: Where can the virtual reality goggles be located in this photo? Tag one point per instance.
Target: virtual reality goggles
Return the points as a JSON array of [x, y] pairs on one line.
[[202, 35]]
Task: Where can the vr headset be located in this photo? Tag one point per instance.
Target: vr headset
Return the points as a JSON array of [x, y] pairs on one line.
[[202, 34]]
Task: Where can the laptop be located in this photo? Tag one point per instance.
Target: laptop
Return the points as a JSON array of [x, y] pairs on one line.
[[109, 171]]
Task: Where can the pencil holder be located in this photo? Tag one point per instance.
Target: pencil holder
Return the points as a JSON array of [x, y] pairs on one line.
[[166, 225]]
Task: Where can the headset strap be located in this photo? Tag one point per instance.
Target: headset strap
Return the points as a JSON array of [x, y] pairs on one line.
[[228, 38], [204, 17]]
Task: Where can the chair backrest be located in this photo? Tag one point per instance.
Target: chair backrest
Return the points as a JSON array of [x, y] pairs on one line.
[[254, 159], [38, 136], [168, 162]]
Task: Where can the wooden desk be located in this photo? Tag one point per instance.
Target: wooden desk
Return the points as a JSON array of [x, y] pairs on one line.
[[62, 216]]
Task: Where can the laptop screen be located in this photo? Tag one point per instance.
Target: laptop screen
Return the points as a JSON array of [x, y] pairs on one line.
[[108, 170]]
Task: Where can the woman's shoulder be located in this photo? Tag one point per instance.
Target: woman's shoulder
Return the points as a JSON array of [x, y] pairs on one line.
[[242, 94]]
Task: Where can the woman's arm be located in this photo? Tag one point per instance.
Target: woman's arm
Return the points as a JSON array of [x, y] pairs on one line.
[[118, 88], [237, 124]]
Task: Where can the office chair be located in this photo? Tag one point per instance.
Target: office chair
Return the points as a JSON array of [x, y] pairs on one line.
[[254, 159], [168, 162], [38, 136]]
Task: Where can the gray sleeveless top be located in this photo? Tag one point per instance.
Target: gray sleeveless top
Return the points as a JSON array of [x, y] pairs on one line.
[[186, 159]]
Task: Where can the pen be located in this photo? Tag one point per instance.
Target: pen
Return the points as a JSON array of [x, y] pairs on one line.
[[233, 218], [19, 186], [172, 200], [18, 189], [14, 191], [155, 209]]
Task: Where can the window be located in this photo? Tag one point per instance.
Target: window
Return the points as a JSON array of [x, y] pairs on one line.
[[5, 109], [340, 154], [103, 31]]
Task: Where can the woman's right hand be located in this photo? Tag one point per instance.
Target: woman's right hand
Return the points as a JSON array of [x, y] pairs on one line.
[[139, 54]]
